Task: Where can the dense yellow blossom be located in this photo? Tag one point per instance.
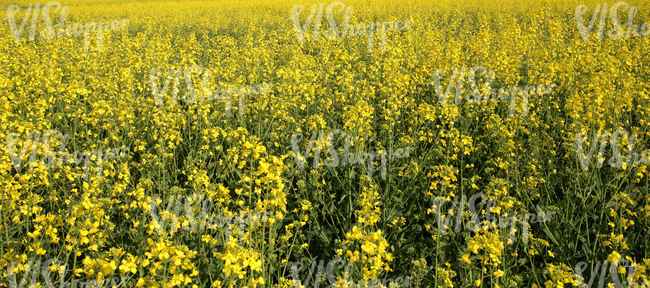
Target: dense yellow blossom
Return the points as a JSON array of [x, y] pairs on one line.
[[537, 138]]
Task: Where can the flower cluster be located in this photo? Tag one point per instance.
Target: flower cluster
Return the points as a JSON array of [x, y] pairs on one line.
[[348, 158], [474, 96], [205, 221], [347, 29], [331, 274], [205, 91], [618, 265], [616, 161], [50, 32], [618, 31], [48, 267], [490, 221], [65, 158]]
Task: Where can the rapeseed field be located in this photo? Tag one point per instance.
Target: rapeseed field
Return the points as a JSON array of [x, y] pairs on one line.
[[250, 143]]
